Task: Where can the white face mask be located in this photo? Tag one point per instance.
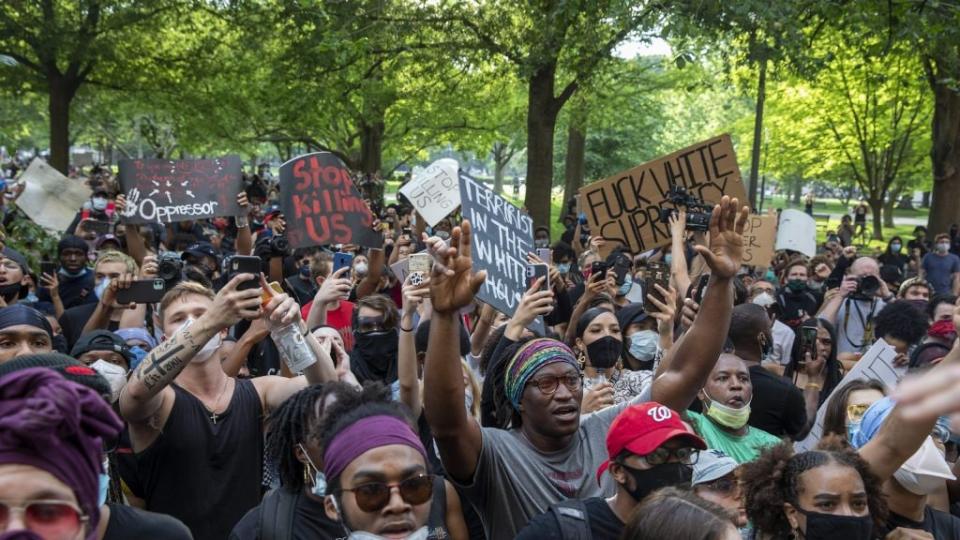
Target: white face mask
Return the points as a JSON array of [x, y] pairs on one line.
[[764, 299], [114, 374], [209, 347], [420, 534], [925, 471]]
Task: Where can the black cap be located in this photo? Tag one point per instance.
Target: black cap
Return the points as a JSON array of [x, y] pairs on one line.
[[631, 313], [69, 368], [202, 249], [101, 340]]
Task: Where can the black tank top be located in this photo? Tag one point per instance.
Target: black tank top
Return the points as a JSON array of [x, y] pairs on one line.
[[204, 474]]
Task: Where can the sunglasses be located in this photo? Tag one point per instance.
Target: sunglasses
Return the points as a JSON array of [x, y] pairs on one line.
[[49, 519], [373, 496]]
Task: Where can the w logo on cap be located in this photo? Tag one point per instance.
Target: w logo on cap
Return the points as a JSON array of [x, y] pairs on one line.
[[661, 413]]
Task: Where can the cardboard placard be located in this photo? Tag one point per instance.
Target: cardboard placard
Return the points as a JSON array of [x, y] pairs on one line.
[[875, 364], [49, 198], [167, 190], [759, 236], [502, 238], [797, 231], [322, 206], [626, 208], [434, 192]]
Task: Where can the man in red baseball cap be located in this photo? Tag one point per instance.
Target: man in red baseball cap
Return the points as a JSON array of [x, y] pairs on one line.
[[648, 447]]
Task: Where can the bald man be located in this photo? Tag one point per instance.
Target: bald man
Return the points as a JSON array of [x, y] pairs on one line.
[[862, 295]]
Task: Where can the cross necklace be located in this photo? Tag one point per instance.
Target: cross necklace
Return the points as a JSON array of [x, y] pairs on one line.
[[213, 412]]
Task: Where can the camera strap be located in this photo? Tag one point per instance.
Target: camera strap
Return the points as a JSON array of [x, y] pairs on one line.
[[865, 321]]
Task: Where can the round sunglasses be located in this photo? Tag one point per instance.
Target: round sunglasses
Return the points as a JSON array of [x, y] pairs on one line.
[[48, 518], [374, 496]]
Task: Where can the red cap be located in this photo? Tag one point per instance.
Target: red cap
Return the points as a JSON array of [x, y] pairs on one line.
[[641, 429]]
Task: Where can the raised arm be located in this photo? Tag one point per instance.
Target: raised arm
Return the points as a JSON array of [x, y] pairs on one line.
[[689, 361], [406, 352], [371, 282], [135, 247], [453, 286], [142, 397], [334, 287], [594, 286], [107, 305], [244, 243], [679, 274]]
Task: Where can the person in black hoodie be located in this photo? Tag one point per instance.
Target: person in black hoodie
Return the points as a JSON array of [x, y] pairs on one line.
[[374, 354], [797, 300], [75, 279]]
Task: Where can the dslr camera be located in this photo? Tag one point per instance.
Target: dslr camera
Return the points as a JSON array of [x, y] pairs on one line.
[[698, 212], [867, 287], [279, 246], [170, 268]]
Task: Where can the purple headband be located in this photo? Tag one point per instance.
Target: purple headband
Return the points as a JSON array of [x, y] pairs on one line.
[[58, 426], [366, 434]]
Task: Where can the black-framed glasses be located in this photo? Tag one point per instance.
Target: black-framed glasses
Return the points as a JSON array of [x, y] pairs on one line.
[[47, 518], [548, 384], [373, 496], [687, 456]]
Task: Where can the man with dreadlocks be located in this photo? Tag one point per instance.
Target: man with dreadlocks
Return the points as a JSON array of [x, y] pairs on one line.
[[548, 452], [295, 509]]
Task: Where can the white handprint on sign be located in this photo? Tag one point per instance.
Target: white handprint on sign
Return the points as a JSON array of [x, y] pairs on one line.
[[133, 203]]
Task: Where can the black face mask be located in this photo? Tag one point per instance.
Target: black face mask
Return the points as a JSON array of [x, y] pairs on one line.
[[605, 352], [379, 349], [664, 475], [13, 291], [828, 526]]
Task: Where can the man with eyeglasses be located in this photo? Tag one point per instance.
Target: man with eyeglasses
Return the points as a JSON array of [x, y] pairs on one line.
[[649, 448], [547, 452], [715, 480]]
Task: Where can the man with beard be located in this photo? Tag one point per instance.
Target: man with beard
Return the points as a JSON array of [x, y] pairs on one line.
[[649, 448], [197, 433], [547, 453]]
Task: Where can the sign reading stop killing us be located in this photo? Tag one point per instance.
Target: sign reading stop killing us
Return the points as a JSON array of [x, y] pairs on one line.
[[626, 207], [322, 206], [434, 191], [166, 190], [502, 238]]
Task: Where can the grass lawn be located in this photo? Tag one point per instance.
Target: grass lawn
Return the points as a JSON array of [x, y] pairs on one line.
[[832, 207]]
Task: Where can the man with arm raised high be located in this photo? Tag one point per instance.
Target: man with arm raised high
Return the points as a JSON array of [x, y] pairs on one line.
[[197, 433]]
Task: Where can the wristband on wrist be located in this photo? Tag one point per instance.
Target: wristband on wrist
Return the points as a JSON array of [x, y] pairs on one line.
[[402, 329]]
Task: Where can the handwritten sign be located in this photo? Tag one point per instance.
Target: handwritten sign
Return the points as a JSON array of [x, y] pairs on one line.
[[322, 206], [502, 237], [877, 365], [798, 232], [434, 191], [626, 208], [164, 190], [49, 198], [759, 236]]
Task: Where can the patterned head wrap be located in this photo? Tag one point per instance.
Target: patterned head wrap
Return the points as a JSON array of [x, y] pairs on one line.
[[529, 359]]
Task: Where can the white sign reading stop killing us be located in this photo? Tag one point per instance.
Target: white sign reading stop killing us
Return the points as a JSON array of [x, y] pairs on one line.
[[434, 191]]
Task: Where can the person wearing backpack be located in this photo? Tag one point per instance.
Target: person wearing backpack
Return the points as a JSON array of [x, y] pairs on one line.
[[649, 448]]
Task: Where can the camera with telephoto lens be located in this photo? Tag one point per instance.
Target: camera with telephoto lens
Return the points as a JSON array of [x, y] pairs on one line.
[[698, 212], [867, 287], [170, 268]]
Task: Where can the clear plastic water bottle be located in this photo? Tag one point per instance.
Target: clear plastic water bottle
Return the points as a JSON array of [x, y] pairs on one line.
[[294, 350], [599, 379]]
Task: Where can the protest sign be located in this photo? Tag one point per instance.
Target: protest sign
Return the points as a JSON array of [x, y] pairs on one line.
[[759, 236], [502, 238], [434, 192], [797, 231], [626, 208], [49, 198], [321, 204], [167, 190], [876, 364]]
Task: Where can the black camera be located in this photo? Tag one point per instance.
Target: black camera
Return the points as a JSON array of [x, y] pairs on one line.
[[170, 268], [698, 212], [279, 246], [867, 287]]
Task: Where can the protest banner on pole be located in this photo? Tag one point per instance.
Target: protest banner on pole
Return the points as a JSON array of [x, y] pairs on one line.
[[626, 208], [876, 364], [434, 192], [797, 231], [167, 190], [322, 206], [49, 198], [502, 238], [759, 236]]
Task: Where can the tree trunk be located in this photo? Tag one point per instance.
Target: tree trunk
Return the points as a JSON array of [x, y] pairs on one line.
[[499, 164], [60, 96], [573, 170], [888, 207], [876, 209], [945, 155], [925, 202], [542, 112], [371, 147], [797, 189], [757, 134]]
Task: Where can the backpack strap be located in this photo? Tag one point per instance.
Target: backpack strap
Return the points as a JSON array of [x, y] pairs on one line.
[[572, 517], [277, 512]]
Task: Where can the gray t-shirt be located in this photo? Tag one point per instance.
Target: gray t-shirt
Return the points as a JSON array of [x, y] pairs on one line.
[[515, 482], [939, 271], [852, 319]]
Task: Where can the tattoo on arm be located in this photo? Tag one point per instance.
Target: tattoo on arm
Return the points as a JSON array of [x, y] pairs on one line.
[[167, 360]]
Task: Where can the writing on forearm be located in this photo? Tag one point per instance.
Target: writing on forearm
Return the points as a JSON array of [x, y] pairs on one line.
[[166, 361]]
